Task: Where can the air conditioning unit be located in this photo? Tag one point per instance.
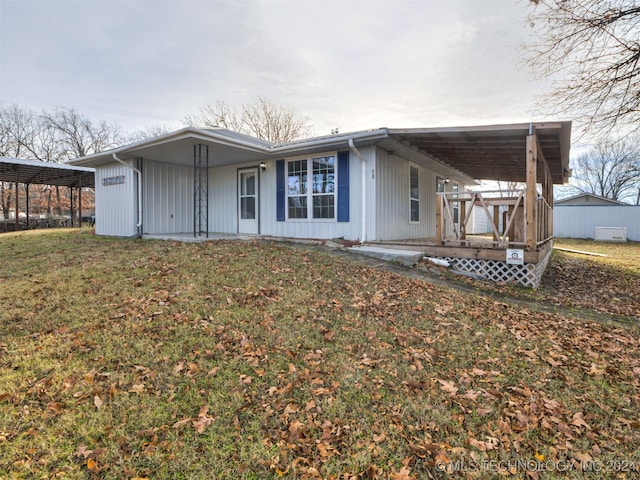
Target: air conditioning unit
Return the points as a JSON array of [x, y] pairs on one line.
[[611, 234]]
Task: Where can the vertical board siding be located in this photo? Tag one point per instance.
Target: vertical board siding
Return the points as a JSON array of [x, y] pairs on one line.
[[223, 198], [167, 198], [392, 199], [116, 205], [580, 221]]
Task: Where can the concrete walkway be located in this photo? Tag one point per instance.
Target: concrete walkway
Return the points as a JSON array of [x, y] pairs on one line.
[[404, 257]]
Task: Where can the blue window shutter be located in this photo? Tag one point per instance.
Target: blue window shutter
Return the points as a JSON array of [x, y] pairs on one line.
[[343, 186], [280, 191]]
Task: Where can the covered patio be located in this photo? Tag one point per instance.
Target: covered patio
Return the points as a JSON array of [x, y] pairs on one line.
[[535, 156]]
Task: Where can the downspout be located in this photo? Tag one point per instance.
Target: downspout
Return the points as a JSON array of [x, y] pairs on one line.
[[363, 236], [139, 224]]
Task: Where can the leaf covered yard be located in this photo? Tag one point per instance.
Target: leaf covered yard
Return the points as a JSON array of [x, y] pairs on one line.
[[145, 359]]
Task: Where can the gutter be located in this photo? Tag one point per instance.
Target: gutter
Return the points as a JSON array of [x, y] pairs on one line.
[[139, 224], [352, 147]]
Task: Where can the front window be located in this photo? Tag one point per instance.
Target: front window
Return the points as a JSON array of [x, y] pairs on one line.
[[317, 190], [414, 193], [297, 193]]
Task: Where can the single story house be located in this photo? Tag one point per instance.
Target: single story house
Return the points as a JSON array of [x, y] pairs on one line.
[[380, 185]]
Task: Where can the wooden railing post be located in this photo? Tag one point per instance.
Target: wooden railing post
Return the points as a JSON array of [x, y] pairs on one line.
[[439, 201], [462, 219], [531, 194]]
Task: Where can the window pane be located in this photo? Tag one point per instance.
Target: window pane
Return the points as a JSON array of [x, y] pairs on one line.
[[415, 211], [248, 184], [323, 206], [248, 208], [324, 174], [297, 207], [297, 177], [414, 180]]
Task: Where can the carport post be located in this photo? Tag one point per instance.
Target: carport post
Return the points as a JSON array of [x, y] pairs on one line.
[[17, 197], [27, 198], [71, 198], [80, 202]]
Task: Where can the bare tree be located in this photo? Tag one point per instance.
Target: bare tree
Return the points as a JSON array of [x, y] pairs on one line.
[[77, 136], [145, 133], [610, 169], [17, 133], [50, 137], [592, 47], [262, 119]]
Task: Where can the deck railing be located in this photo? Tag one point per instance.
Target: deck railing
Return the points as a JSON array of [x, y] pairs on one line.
[[454, 211]]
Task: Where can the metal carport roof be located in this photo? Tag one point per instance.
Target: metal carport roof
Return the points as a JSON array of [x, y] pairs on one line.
[[43, 173]]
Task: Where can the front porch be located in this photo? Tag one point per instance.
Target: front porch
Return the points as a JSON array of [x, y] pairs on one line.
[[520, 219]]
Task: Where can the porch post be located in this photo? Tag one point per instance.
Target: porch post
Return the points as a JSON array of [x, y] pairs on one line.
[[463, 220], [439, 201], [547, 193], [530, 196]]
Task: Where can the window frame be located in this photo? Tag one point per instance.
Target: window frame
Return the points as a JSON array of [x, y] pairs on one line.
[[309, 195], [412, 199]]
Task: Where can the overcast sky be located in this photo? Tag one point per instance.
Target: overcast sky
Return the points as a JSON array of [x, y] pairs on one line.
[[347, 64]]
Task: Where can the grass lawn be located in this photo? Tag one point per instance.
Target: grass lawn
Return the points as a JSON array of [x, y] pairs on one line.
[[133, 359]]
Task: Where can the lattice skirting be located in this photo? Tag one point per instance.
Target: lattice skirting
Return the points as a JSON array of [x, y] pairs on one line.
[[528, 275]]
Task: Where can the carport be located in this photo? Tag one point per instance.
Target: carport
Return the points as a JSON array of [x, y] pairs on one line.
[[29, 172]]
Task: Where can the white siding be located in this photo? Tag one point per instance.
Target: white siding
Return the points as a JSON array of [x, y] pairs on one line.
[[223, 198], [580, 221], [167, 198], [478, 223], [392, 199], [116, 205]]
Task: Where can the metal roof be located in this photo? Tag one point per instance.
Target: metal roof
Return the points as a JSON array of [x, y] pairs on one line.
[[43, 173]]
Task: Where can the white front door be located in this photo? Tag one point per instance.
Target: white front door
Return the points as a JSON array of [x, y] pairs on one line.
[[248, 206]]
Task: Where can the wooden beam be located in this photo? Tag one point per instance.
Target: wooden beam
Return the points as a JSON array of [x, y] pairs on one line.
[[462, 219], [530, 196], [494, 254], [439, 236]]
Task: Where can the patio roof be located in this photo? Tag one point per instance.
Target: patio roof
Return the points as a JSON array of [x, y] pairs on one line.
[[493, 152], [43, 173]]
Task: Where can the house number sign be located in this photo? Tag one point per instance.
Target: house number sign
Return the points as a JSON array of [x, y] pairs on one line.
[[109, 181]]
